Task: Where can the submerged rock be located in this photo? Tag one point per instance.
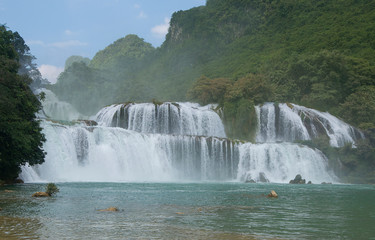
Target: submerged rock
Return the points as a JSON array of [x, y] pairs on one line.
[[110, 209], [326, 183], [298, 180], [272, 194], [40, 194]]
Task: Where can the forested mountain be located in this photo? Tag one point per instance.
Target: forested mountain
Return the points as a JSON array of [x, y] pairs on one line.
[[316, 53]]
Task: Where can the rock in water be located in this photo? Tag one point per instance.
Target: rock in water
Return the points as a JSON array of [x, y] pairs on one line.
[[298, 180], [263, 178], [250, 181], [40, 194], [18, 181], [110, 209], [272, 194]]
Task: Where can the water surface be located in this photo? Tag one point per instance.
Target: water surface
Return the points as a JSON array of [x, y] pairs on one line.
[[188, 211]]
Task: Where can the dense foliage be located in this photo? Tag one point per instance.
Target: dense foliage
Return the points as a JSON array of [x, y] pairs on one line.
[[20, 134]]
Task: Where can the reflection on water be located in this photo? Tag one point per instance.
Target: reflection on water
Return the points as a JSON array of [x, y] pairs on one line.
[[188, 211]]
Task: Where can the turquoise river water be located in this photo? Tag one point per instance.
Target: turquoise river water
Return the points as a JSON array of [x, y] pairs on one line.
[[188, 211]]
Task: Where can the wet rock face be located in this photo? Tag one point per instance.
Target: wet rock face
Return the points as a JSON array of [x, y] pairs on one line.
[[298, 180]]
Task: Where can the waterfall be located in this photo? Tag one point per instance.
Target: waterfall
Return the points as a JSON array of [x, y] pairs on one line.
[[183, 142], [166, 118], [291, 122], [55, 109], [83, 153], [280, 162]]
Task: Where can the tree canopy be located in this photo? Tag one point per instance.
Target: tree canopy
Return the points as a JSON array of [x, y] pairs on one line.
[[21, 139]]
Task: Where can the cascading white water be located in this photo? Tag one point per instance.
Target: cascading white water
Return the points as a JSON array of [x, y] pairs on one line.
[[184, 142], [55, 109], [167, 118], [290, 122], [280, 162], [80, 153]]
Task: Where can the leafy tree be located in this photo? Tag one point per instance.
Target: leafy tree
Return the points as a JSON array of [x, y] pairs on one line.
[[253, 86], [206, 90], [359, 107], [21, 138]]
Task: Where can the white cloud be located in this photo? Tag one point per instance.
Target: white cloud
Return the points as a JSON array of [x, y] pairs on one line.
[[70, 43], [68, 32], [161, 30], [142, 15], [50, 72], [137, 6]]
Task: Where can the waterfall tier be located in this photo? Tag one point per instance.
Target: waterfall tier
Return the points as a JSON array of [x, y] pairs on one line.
[[280, 162], [290, 122], [58, 110], [166, 118], [80, 153], [83, 153]]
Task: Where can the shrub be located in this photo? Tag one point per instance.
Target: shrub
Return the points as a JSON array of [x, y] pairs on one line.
[[51, 189]]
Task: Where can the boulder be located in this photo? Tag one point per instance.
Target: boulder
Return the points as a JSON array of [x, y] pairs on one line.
[[298, 180], [272, 194], [250, 181], [309, 182], [40, 194], [18, 180], [263, 178], [110, 209]]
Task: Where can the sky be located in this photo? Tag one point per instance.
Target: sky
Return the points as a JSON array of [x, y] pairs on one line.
[[57, 29]]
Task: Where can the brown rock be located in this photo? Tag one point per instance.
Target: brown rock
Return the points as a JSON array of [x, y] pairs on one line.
[[18, 180], [40, 194], [180, 213], [8, 191], [110, 209], [272, 194]]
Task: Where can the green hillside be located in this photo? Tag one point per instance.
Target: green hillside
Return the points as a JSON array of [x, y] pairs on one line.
[[232, 39]]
